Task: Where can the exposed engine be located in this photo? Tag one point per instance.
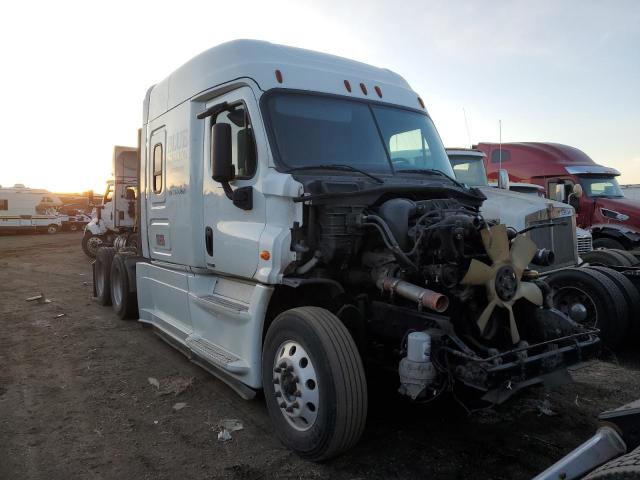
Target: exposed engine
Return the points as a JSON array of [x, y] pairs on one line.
[[448, 294]]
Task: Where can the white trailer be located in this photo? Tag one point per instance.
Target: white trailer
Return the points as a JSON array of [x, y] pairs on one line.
[[28, 209], [298, 221]]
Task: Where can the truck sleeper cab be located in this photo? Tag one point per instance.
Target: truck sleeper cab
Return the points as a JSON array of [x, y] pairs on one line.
[[299, 220]]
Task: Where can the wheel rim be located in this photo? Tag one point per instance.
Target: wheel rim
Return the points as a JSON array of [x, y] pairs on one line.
[[73, 228], [296, 385], [116, 283], [567, 299], [99, 279], [51, 229], [93, 244]]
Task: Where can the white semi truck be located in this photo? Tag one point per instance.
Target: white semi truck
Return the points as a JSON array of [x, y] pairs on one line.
[[300, 232], [29, 209], [115, 219]]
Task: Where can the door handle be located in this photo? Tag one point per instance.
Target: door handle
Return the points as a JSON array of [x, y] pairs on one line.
[[208, 240]]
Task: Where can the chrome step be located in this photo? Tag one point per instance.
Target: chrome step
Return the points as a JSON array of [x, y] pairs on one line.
[[216, 355]]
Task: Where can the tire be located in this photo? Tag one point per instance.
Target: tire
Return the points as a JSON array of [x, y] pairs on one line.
[[607, 242], [91, 243], [102, 274], [606, 257], [625, 467], [630, 293], [335, 380], [606, 307], [633, 260], [124, 302], [51, 229]]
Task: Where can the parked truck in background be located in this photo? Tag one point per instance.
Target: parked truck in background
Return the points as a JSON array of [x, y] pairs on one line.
[[299, 225], [520, 211], [29, 209], [591, 296], [115, 219], [612, 219]]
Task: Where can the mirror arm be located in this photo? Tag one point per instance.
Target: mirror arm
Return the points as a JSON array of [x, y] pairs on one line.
[[214, 110], [228, 191]]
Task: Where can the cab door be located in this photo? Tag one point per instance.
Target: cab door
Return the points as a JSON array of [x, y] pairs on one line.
[[231, 233]]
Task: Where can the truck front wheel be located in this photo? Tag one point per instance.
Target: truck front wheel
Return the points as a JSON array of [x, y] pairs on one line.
[[314, 383], [91, 243]]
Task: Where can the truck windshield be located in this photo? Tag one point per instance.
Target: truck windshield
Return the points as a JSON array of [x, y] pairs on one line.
[[601, 187], [318, 130], [469, 170]]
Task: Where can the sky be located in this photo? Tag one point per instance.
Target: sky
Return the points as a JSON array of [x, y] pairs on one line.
[[74, 74]]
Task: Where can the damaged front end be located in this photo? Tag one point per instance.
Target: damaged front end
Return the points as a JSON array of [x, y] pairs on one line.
[[438, 294]]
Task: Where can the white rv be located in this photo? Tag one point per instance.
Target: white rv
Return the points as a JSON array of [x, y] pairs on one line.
[[29, 209], [299, 221]]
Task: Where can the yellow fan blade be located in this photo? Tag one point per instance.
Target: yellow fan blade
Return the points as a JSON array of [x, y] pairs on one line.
[[478, 274], [496, 242], [530, 291], [485, 316], [522, 251], [515, 335]]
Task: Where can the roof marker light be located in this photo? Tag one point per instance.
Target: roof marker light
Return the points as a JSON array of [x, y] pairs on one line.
[[279, 76], [378, 91], [363, 87], [347, 85], [265, 255], [421, 102]]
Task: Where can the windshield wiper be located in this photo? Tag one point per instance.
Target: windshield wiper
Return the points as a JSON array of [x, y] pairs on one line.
[[336, 166], [430, 171]]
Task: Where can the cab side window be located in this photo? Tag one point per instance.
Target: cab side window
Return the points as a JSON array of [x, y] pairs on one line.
[[243, 145], [4, 204], [157, 168]]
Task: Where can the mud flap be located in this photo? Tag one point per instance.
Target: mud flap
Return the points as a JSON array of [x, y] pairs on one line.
[[503, 393]]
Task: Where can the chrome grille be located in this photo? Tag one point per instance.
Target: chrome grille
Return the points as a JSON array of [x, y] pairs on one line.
[[560, 239], [585, 244]]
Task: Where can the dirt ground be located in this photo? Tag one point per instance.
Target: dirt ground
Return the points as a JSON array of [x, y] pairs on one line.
[[76, 400]]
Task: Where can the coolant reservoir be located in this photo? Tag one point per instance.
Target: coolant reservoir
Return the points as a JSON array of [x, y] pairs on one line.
[[418, 347]]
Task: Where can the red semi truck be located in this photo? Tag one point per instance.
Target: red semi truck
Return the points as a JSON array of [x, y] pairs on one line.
[[571, 176]]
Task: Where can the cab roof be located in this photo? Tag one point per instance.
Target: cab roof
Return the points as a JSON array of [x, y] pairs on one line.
[[545, 159], [258, 60]]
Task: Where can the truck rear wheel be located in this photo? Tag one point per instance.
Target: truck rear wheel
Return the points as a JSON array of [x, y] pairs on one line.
[[102, 274], [51, 229], [91, 243], [593, 300], [314, 383], [633, 260], [630, 293], [624, 467], [124, 301], [606, 257]]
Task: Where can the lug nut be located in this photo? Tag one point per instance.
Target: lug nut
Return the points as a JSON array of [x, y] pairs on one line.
[[289, 409], [283, 365], [282, 405]]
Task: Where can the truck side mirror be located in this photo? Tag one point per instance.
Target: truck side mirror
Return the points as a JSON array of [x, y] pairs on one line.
[[503, 179], [222, 169]]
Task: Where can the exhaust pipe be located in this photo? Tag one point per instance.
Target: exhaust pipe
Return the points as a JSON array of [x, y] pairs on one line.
[[423, 296]]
